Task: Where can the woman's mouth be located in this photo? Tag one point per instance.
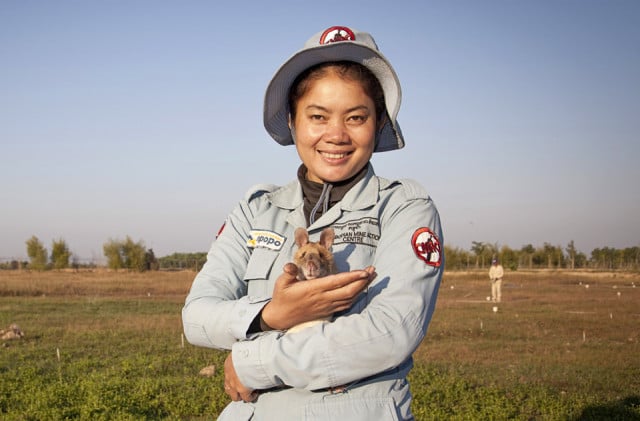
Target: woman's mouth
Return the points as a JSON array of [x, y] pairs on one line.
[[330, 155]]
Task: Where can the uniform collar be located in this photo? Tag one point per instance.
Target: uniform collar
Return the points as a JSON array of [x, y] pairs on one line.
[[361, 196]]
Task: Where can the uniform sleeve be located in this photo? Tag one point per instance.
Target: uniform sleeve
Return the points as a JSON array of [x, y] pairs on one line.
[[217, 310], [399, 306]]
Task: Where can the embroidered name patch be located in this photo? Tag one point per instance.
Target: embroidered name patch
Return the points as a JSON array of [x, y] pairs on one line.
[[427, 246], [265, 239], [359, 231]]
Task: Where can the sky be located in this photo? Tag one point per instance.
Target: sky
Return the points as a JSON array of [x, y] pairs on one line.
[[144, 118]]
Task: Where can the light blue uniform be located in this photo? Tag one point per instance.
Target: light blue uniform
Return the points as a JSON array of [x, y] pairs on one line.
[[392, 225]]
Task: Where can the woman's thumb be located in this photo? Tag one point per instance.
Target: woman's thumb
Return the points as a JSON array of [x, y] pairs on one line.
[[291, 270]]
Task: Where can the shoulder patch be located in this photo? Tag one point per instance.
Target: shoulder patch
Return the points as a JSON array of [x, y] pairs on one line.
[[426, 245]]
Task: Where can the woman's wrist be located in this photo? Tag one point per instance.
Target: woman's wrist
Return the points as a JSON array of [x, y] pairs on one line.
[[265, 320], [263, 325]]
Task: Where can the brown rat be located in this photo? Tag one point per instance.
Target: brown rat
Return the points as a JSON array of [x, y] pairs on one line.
[[314, 260]]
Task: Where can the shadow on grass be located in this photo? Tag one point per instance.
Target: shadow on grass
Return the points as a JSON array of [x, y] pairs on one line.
[[627, 409]]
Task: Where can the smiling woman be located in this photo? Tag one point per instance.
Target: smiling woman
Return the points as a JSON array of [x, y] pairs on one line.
[[334, 124], [336, 100]]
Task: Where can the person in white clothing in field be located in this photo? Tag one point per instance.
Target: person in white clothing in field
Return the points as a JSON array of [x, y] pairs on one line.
[[496, 272]]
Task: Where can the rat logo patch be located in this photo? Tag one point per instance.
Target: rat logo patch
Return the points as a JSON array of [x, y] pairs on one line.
[[427, 246], [336, 34]]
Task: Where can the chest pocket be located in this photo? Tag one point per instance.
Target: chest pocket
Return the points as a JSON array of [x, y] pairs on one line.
[[354, 257], [258, 270]]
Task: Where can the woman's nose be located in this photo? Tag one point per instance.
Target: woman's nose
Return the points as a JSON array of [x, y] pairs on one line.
[[336, 132]]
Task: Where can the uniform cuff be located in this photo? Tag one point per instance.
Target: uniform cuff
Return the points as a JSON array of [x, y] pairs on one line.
[[249, 358], [245, 312]]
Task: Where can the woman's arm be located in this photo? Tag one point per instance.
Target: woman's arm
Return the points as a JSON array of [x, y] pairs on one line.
[[400, 303], [218, 312]]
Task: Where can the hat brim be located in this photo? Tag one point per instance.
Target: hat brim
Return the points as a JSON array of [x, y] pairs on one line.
[[276, 107]]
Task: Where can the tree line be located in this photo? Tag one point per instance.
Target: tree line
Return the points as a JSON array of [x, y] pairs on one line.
[[120, 254], [547, 256], [131, 255]]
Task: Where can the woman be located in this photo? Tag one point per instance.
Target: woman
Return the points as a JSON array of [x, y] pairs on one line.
[[336, 100]]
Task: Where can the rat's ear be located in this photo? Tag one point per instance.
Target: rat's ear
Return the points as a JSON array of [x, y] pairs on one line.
[[326, 237], [301, 236]]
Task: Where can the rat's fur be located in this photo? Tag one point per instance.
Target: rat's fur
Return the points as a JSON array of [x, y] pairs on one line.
[[314, 260]]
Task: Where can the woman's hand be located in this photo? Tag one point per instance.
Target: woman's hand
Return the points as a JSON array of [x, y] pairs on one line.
[[233, 386], [294, 302]]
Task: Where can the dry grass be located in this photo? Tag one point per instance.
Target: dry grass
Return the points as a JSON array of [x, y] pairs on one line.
[[95, 283], [562, 329]]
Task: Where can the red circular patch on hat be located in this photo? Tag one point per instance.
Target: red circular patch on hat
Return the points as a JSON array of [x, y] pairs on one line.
[[337, 34], [427, 246]]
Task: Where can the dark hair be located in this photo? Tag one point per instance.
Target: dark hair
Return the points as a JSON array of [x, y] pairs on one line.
[[346, 70]]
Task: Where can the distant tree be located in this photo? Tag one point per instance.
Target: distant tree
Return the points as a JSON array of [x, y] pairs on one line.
[[112, 251], [37, 254], [180, 261], [571, 254], [75, 263], [60, 254], [549, 252], [555, 256], [134, 255], [492, 251], [150, 261], [526, 253], [126, 254], [631, 256], [509, 257], [479, 250], [559, 258], [604, 258], [581, 260], [456, 258]]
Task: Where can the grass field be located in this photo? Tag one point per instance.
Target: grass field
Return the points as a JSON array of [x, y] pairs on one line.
[[108, 345]]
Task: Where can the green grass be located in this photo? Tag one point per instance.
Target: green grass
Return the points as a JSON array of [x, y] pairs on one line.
[[105, 346], [118, 359]]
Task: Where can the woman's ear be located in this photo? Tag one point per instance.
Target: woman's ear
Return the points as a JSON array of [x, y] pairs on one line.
[[292, 129]]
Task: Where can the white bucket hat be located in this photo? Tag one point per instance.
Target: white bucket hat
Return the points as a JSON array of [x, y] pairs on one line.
[[337, 43]]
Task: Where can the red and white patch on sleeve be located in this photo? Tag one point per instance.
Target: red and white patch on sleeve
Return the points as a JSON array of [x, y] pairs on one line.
[[427, 246], [221, 229]]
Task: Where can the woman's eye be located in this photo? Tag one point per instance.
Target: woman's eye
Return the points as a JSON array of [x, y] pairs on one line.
[[358, 118], [316, 117]]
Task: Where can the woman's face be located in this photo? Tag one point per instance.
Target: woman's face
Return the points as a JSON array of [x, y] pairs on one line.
[[335, 128]]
